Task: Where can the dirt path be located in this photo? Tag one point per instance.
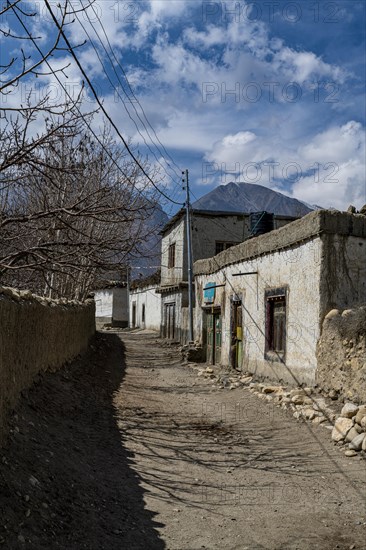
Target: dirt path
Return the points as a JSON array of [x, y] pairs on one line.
[[222, 469], [129, 449]]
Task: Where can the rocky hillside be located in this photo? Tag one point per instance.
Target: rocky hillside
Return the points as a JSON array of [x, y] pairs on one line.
[[248, 197]]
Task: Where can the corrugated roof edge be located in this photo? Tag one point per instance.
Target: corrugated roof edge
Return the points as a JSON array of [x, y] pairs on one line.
[[305, 228]]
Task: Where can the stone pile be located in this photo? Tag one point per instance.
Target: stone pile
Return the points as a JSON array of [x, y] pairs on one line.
[[348, 429]]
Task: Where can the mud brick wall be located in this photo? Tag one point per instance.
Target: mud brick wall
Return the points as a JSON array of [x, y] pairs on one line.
[[341, 353], [37, 334]]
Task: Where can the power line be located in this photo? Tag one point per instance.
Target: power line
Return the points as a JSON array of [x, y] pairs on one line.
[[119, 95], [130, 152], [129, 85], [85, 121]]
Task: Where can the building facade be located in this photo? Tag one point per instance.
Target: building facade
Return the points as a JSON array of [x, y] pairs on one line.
[[211, 232], [111, 305], [260, 305], [145, 303]]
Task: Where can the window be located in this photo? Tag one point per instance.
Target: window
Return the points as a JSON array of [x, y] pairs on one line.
[[275, 324], [143, 313], [171, 255], [223, 245]]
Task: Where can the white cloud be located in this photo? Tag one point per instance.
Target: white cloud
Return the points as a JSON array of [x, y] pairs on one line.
[[328, 170], [302, 66]]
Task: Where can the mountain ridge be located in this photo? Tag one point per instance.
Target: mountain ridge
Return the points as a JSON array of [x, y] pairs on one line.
[[248, 197]]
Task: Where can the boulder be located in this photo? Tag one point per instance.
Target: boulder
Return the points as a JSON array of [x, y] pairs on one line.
[[332, 313], [356, 443], [349, 410], [363, 423], [360, 414], [341, 427], [352, 434], [364, 445]]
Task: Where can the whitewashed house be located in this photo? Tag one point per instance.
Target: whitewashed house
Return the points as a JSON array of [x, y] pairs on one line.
[[111, 304], [145, 303], [212, 232], [260, 305]]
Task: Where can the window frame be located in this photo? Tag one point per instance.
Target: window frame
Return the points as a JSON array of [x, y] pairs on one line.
[[272, 297], [226, 245], [171, 255]]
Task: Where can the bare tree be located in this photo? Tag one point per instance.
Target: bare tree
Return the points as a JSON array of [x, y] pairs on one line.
[[72, 204], [75, 209]]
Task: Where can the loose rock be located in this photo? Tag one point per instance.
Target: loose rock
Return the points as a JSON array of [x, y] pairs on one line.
[[341, 428], [350, 452], [360, 414], [356, 443], [351, 435], [349, 410]]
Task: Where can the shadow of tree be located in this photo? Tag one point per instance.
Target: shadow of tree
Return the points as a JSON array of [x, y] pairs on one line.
[[66, 480]]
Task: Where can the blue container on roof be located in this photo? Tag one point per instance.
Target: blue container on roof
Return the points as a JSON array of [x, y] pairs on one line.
[[261, 222]]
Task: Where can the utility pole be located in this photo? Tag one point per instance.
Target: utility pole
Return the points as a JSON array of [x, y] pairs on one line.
[[189, 255]]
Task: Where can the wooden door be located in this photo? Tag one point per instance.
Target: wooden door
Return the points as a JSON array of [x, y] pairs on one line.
[[236, 351], [210, 338], [170, 321], [218, 339], [214, 338]]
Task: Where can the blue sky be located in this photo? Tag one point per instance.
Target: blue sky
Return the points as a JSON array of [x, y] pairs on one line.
[[265, 92]]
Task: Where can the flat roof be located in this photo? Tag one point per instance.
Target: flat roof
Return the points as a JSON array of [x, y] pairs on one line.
[[215, 214], [313, 224]]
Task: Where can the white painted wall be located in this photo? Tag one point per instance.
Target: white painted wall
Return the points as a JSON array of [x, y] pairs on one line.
[[104, 303], [170, 276], [111, 305], [298, 269], [120, 305], [152, 301]]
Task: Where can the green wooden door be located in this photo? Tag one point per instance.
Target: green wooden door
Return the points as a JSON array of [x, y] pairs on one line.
[[239, 337], [214, 338], [218, 339], [210, 338]]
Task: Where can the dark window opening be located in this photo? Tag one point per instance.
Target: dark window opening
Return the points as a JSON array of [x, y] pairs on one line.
[[275, 326], [220, 246], [143, 313], [171, 255]]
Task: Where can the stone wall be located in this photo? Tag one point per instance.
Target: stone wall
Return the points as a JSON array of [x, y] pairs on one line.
[[37, 334], [341, 353]]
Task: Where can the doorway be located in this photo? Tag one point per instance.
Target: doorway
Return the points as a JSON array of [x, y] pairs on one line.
[[133, 314], [169, 318], [214, 337], [236, 346]]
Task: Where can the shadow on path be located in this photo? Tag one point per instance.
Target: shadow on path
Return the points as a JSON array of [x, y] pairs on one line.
[[65, 475]]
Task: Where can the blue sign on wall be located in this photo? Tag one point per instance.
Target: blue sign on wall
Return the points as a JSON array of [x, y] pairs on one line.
[[209, 293]]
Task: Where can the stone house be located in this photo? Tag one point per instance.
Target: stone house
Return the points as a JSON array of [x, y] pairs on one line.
[[212, 232], [260, 305]]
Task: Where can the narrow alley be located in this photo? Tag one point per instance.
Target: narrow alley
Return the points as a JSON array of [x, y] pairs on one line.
[[128, 448]]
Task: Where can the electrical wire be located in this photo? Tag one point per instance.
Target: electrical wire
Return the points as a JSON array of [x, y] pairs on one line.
[[119, 95], [106, 114], [67, 94], [129, 85]]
